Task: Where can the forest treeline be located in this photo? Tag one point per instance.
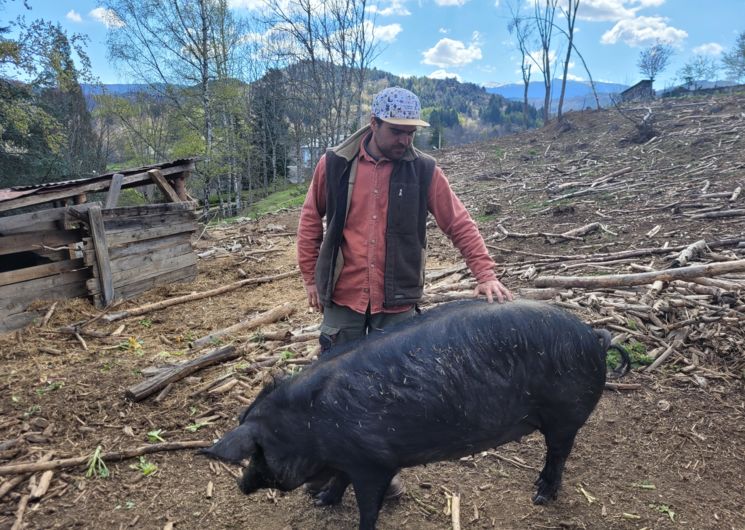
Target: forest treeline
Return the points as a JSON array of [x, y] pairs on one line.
[[257, 98], [258, 101]]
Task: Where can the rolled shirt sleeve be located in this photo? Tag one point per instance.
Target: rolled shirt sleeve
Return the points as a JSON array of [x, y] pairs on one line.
[[453, 219]]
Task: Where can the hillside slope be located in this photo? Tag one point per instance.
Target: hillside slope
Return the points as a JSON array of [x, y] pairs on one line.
[[665, 452]]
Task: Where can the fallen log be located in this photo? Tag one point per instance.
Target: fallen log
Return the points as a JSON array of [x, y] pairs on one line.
[[114, 456], [692, 251], [719, 214], [266, 317], [138, 311], [582, 230], [150, 386], [643, 278]]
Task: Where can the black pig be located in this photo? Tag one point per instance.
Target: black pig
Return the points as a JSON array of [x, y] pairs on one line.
[[456, 380]]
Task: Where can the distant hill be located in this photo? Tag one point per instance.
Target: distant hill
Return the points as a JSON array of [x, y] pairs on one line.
[[114, 89], [578, 93]]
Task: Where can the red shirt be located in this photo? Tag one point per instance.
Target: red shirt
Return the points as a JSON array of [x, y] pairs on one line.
[[363, 246]]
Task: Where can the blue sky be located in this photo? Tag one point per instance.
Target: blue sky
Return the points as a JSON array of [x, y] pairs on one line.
[[469, 39]]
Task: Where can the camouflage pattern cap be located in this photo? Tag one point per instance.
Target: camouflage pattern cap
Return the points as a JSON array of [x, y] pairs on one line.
[[398, 106]]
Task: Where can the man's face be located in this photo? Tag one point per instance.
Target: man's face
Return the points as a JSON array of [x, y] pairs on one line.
[[392, 141]]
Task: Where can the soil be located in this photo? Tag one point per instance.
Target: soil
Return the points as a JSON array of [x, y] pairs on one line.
[[667, 455]]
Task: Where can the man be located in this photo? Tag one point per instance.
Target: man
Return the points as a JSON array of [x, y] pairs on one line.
[[375, 191]]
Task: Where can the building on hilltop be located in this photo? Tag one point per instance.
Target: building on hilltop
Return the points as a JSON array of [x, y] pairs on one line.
[[639, 92]]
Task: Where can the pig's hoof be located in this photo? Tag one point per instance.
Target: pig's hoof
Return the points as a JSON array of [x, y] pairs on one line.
[[326, 498], [540, 499], [545, 494]]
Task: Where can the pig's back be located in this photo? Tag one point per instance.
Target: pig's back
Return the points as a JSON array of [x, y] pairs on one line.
[[458, 379]]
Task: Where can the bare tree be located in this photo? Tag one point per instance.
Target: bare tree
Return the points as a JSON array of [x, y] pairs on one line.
[[544, 13], [697, 70], [570, 13], [654, 59], [328, 45], [172, 45], [522, 29]]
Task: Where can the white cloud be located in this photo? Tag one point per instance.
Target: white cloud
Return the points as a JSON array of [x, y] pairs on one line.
[[386, 33], [107, 17], [573, 77], [613, 10], [643, 30], [457, 3], [538, 54], [449, 52], [649, 3], [74, 16], [444, 31], [443, 74], [710, 48], [598, 10], [396, 8]]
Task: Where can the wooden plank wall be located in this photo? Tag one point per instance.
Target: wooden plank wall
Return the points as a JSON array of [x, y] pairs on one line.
[[147, 246], [38, 261]]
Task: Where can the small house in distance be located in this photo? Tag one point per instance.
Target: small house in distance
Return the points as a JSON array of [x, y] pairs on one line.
[[54, 244], [639, 92]]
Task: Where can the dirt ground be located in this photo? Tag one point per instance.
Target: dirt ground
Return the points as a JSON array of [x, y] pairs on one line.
[[667, 455]]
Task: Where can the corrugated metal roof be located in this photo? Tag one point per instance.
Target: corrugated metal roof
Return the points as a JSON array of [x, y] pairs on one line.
[[19, 191], [7, 194]]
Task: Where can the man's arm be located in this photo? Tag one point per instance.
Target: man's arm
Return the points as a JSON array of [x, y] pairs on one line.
[[453, 219], [310, 232]]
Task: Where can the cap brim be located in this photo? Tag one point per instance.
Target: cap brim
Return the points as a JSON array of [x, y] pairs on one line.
[[402, 121]]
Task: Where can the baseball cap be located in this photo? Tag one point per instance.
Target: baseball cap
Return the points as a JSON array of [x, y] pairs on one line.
[[398, 106]]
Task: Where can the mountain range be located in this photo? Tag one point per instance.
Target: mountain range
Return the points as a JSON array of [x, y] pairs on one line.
[[578, 94]]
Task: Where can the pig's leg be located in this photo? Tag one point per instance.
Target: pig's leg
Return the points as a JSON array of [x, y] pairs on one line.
[[370, 486], [558, 446], [333, 492]]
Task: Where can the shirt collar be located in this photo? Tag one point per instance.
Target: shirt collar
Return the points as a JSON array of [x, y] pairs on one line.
[[364, 153]]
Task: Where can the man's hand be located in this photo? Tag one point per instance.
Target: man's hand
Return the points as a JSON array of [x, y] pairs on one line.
[[493, 289], [313, 300]]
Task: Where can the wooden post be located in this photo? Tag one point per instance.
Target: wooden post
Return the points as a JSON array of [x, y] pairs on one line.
[[98, 235], [113, 195], [158, 178], [180, 186]]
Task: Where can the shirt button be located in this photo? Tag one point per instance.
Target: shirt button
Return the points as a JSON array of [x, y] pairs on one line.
[[372, 242], [365, 290], [372, 265], [375, 216]]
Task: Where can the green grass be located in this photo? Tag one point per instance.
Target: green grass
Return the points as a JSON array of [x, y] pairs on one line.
[[485, 218], [637, 352], [287, 198], [290, 197]]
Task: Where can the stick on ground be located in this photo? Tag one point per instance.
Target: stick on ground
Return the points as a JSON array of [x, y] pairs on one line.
[[138, 311], [113, 456], [150, 386]]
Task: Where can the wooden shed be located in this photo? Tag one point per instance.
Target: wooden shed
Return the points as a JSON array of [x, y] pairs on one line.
[[54, 244], [642, 91]]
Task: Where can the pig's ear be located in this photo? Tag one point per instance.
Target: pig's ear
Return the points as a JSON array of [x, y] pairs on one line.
[[235, 446]]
